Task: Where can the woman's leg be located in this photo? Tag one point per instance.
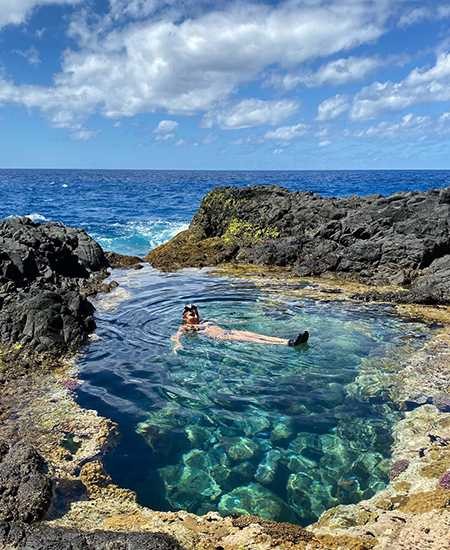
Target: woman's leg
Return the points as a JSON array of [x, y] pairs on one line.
[[247, 336]]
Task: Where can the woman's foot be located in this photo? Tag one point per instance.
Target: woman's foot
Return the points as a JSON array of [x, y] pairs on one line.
[[302, 338]]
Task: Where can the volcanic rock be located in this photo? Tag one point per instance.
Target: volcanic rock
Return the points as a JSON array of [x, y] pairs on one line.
[[403, 239], [25, 487], [45, 272]]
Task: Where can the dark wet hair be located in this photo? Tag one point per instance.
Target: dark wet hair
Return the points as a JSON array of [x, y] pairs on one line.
[[191, 307]]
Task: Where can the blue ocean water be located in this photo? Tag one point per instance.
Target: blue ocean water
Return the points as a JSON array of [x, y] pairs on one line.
[[133, 211], [226, 426]]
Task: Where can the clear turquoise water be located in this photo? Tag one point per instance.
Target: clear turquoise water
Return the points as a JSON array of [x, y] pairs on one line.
[[238, 427]]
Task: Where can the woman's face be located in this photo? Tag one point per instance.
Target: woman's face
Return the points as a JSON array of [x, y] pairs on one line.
[[191, 317]]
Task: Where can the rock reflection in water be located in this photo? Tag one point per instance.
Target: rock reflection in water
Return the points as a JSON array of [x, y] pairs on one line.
[[241, 428]]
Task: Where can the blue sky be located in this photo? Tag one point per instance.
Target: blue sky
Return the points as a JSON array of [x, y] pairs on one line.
[[195, 84]]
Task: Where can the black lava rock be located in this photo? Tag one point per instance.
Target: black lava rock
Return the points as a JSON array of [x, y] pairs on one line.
[[25, 487], [44, 271], [403, 239], [20, 536]]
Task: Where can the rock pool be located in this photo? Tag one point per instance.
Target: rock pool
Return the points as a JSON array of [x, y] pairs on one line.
[[238, 427]]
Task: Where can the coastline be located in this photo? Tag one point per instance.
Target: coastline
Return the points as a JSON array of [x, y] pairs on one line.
[[38, 406], [52, 417]]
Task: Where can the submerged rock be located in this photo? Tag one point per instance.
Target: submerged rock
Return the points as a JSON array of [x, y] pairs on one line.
[[403, 239], [268, 468], [254, 499], [241, 448]]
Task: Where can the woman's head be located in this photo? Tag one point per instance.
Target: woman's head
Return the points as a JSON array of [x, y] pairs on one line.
[[190, 314]]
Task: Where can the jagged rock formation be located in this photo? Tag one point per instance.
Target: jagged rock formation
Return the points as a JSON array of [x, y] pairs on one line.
[[45, 272], [25, 497], [402, 240], [25, 488]]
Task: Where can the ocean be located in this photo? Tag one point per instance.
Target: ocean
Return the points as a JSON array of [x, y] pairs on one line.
[[133, 211]]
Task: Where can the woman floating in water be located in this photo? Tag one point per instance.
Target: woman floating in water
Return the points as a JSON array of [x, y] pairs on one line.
[[193, 323]]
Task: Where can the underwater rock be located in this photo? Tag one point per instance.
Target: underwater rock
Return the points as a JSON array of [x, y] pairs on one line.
[[198, 436], [403, 239], [25, 486], [188, 485], [255, 424], [282, 430], [254, 499], [242, 473], [297, 463], [165, 431], [241, 448], [267, 469]]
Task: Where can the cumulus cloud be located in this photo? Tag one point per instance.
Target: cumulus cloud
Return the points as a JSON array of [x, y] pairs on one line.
[[15, 12], [421, 85], [286, 133], [249, 113], [192, 64], [333, 107], [165, 130]]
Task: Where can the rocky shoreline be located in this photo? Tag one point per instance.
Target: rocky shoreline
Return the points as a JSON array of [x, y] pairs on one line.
[[53, 489], [401, 240]]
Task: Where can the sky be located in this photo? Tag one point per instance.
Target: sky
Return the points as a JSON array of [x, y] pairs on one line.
[[196, 84]]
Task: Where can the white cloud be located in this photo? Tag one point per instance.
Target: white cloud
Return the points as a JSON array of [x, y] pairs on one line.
[[333, 107], [286, 133], [421, 85], [31, 55], [424, 13], [83, 134], [249, 113], [15, 12], [165, 130], [324, 143], [191, 64], [409, 122], [336, 72]]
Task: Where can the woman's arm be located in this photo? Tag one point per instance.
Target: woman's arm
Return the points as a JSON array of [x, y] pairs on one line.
[[176, 338]]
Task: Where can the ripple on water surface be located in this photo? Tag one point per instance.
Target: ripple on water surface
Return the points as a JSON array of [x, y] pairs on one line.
[[239, 427]]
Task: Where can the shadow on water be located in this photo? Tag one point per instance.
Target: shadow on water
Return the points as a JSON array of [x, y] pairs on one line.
[[235, 427]]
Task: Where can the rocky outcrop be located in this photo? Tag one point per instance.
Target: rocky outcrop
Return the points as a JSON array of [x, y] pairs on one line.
[[22, 536], [25, 497], [401, 240], [25, 488], [46, 270]]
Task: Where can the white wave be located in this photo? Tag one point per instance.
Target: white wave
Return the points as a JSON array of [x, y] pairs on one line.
[[65, 185], [35, 217], [140, 236]]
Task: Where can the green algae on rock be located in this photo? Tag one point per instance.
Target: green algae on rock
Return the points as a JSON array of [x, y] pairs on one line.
[[379, 240]]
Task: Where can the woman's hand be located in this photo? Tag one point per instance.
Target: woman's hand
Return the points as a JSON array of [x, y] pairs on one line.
[[177, 342]]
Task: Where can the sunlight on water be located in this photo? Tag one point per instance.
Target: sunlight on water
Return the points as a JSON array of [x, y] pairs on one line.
[[238, 427]]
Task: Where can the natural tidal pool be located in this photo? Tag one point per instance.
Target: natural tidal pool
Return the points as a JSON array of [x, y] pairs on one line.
[[238, 427]]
